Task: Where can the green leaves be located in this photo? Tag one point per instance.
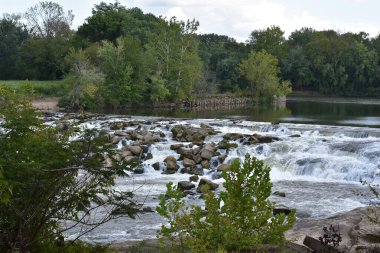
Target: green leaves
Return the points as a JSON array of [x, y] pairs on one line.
[[243, 221], [45, 178], [261, 70]]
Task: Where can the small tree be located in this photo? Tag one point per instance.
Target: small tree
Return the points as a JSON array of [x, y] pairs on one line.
[[46, 179], [241, 217], [261, 70]]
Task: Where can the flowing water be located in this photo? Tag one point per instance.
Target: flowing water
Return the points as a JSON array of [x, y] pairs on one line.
[[318, 165]]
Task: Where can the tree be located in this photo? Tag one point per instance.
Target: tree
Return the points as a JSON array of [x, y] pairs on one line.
[[84, 81], [174, 50], [125, 71], [111, 21], [12, 35], [261, 70], [271, 40], [48, 20], [46, 179], [240, 218]]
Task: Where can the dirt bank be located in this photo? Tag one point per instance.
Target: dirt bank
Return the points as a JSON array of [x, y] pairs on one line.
[[46, 104]]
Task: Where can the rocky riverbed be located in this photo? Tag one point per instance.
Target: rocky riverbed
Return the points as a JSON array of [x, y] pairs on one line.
[[315, 169]]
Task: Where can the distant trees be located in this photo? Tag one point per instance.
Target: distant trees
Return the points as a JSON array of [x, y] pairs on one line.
[[165, 60], [261, 71], [12, 35]]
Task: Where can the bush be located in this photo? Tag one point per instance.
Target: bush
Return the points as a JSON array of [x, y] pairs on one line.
[[240, 218]]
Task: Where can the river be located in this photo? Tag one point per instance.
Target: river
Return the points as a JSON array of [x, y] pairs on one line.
[[326, 147]]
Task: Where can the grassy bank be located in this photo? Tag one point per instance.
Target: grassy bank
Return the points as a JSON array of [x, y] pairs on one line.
[[54, 88]]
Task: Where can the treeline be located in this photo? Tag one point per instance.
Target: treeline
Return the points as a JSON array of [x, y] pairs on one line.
[[120, 55]]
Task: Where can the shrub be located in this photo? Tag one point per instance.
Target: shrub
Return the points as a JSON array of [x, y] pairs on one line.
[[240, 218]]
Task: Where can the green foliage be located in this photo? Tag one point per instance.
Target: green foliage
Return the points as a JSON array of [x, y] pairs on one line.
[[47, 179], [261, 70], [240, 218], [271, 40], [125, 71], [84, 81], [12, 35], [111, 21], [174, 54]]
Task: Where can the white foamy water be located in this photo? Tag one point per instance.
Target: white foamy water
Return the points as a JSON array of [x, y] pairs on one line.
[[318, 167]]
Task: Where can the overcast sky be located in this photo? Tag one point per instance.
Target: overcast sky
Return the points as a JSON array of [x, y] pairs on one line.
[[237, 18]]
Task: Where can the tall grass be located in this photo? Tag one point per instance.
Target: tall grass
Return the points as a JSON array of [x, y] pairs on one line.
[[54, 88]]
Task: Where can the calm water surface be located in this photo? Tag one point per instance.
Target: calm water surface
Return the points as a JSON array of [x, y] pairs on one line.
[[321, 111]]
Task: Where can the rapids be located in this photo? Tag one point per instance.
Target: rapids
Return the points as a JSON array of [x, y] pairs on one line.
[[319, 168]]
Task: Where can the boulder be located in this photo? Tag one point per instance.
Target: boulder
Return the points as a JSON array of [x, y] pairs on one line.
[[233, 136], [224, 144], [265, 139], [221, 158], [196, 171], [148, 209], [188, 162], [194, 178], [279, 193], [176, 146], [206, 154], [278, 209], [223, 167], [136, 150], [156, 166], [117, 125], [171, 163], [139, 169], [121, 133], [148, 156], [205, 164], [205, 184], [185, 185], [115, 139], [191, 134]]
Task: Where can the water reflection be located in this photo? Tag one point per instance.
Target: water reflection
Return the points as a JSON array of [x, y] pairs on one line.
[[324, 111]]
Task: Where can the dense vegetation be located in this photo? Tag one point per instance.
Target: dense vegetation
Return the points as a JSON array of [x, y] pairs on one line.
[[239, 219], [124, 56], [50, 183]]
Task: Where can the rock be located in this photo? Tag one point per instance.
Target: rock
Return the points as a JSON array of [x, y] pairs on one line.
[[223, 167], [156, 166], [280, 194], [198, 142], [221, 158], [176, 146], [233, 136], [191, 134], [115, 139], [197, 158], [131, 159], [281, 209], [148, 156], [206, 154], [171, 163], [265, 139], [188, 153], [121, 133], [139, 170], [185, 185], [196, 150], [148, 209], [136, 150], [125, 153], [205, 184], [168, 172], [188, 162], [117, 125], [224, 144], [295, 136], [194, 178], [196, 171], [205, 164]]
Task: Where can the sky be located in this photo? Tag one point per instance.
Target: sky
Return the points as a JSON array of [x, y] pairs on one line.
[[237, 18]]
